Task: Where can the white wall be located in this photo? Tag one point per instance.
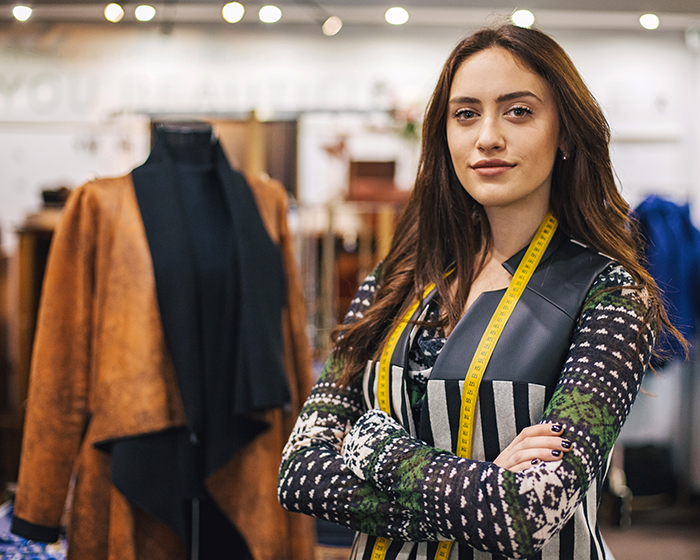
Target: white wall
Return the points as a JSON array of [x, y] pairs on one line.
[[68, 96], [647, 85], [74, 101], [73, 88]]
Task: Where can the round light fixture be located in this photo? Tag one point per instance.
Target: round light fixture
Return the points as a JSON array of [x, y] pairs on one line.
[[114, 12], [523, 18], [233, 12], [396, 16], [332, 25], [22, 13], [145, 12], [270, 14], [649, 21]]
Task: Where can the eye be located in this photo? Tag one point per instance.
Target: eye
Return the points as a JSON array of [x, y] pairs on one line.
[[464, 114], [519, 111]]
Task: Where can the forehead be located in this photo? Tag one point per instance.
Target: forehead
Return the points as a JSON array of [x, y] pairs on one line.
[[496, 71]]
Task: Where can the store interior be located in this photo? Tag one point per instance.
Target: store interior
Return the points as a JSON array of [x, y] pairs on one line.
[[333, 111]]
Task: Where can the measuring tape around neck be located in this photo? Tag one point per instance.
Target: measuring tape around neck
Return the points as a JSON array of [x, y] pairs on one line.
[[480, 360]]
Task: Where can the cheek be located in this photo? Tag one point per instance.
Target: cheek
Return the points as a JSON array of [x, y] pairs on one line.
[[457, 144]]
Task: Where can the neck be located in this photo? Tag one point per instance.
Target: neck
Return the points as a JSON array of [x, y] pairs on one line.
[[188, 142], [512, 230]]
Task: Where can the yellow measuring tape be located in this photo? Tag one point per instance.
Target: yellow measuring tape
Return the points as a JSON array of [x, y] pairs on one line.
[[383, 396], [480, 360]]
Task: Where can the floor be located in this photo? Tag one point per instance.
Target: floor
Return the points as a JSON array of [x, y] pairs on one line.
[[665, 533], [669, 533], [654, 543]]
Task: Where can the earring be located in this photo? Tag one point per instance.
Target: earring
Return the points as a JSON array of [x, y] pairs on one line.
[[564, 155]]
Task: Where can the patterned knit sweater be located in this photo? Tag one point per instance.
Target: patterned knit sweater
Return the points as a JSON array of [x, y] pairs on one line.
[[361, 469]]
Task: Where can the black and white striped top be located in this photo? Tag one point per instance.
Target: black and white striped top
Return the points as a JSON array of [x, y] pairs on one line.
[[354, 465]]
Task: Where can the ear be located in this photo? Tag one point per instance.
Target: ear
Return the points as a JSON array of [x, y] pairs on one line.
[[563, 144]]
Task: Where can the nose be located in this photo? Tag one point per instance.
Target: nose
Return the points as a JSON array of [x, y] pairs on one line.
[[490, 136]]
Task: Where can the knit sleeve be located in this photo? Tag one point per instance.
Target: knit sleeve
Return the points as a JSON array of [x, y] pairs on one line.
[[515, 514], [313, 478]]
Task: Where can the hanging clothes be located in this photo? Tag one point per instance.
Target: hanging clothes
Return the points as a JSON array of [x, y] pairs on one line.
[[672, 251], [166, 370]]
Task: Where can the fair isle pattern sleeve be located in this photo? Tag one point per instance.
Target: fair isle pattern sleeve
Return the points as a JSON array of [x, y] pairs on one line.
[[516, 514], [313, 478]]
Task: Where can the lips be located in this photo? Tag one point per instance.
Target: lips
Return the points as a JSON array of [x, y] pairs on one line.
[[488, 163], [490, 167]]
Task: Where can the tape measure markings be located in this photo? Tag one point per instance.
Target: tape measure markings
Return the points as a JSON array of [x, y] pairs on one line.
[[480, 360]]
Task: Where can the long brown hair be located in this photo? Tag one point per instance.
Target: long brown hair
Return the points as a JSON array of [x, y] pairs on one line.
[[443, 226]]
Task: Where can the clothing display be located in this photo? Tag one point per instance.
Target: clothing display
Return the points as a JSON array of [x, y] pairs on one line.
[[169, 365], [672, 252], [398, 476]]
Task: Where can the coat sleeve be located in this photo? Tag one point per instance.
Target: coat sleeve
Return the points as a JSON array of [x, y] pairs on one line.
[[57, 405]]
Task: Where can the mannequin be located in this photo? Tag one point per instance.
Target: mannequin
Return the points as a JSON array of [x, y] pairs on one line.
[[215, 292], [209, 228], [181, 348]]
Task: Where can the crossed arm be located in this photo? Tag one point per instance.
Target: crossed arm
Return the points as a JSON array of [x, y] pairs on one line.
[[363, 470]]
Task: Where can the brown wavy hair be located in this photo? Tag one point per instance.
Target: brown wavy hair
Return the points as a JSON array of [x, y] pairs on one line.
[[443, 226]]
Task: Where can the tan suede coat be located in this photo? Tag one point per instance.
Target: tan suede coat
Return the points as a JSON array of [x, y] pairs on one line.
[[100, 360]]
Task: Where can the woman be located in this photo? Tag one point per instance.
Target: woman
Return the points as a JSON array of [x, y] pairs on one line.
[[515, 171]]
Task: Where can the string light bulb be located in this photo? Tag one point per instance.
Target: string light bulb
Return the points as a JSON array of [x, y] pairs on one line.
[[332, 25], [144, 12], [22, 13], [233, 12], [523, 18], [396, 16], [114, 12], [270, 14], [649, 21]]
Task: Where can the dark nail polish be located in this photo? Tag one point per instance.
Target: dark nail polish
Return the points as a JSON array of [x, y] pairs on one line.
[[556, 452], [535, 461], [556, 428], [566, 444]]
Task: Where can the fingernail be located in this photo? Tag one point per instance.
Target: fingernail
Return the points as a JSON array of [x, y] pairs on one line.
[[556, 428], [535, 461], [566, 444], [556, 452]]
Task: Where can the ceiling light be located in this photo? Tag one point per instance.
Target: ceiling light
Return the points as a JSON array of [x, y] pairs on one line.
[[332, 25], [233, 12], [523, 18], [270, 14], [114, 12], [396, 16], [649, 21], [145, 12], [22, 13]]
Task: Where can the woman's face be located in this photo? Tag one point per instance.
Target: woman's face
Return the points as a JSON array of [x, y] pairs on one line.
[[502, 132]]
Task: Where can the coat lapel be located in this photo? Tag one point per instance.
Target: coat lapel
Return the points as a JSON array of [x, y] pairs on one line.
[[155, 184]]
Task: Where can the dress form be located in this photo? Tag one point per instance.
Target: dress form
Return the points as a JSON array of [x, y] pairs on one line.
[[209, 230]]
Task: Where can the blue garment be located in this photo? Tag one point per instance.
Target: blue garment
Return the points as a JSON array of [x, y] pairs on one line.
[[672, 250]]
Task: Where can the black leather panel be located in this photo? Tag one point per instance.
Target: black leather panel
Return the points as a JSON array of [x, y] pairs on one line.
[[536, 339]]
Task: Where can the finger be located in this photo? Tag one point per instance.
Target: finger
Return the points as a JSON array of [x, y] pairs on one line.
[[544, 448], [507, 460], [544, 442], [548, 429], [523, 465]]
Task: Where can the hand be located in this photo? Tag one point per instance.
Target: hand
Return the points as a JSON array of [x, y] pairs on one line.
[[542, 442]]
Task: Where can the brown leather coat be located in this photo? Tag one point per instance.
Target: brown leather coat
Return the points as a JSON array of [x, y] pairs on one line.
[[100, 360]]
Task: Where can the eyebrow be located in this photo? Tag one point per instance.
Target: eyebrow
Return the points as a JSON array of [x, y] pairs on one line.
[[500, 99]]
